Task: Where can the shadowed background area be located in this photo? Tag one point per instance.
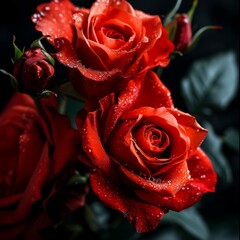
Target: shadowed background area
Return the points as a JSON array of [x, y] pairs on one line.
[[221, 210]]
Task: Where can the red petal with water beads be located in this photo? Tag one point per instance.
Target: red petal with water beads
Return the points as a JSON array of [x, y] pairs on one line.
[[93, 147], [94, 81], [145, 217], [55, 19], [166, 184], [153, 93], [203, 179]]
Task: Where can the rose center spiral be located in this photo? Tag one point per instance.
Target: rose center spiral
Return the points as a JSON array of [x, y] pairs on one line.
[[151, 139]]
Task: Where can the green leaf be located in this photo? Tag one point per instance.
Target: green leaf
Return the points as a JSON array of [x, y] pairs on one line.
[[211, 83], [190, 220], [231, 138], [213, 148]]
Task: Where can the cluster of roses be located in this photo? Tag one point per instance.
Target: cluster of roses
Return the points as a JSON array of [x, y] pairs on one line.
[[142, 153]]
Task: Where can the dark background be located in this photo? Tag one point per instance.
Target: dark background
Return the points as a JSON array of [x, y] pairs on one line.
[[222, 210]]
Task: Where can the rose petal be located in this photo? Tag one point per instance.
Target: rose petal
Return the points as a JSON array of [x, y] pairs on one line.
[[126, 100], [203, 179], [54, 19], [92, 81], [153, 93], [9, 200], [12, 232], [167, 184], [33, 190], [62, 154], [93, 147], [88, 56], [195, 132], [145, 217], [121, 147], [159, 55], [162, 118], [100, 6]]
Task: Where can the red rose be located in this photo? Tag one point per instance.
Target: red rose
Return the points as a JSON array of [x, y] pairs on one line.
[[144, 154], [104, 45], [37, 154], [33, 72]]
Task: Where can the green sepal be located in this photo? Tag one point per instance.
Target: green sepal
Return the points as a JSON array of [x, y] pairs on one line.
[[171, 13], [45, 94], [17, 52], [37, 44], [14, 81], [77, 179], [171, 29], [191, 12]]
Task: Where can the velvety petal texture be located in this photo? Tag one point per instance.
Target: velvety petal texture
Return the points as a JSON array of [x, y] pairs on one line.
[[144, 154], [110, 37], [35, 150]]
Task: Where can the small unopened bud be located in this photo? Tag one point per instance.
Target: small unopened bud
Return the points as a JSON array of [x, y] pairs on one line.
[[33, 72], [183, 33]]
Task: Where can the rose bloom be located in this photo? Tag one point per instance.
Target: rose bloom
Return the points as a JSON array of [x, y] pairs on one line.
[[33, 72], [104, 46], [144, 154], [37, 158]]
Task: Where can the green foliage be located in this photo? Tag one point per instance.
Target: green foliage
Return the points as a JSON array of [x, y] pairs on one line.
[[213, 148], [190, 220], [210, 84], [231, 138]]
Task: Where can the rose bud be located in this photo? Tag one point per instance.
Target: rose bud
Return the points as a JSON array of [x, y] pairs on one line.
[[183, 34], [33, 72]]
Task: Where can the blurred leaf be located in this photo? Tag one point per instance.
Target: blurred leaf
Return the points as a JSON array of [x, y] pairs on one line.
[[68, 90], [91, 218], [231, 138], [72, 109], [190, 220], [211, 83], [213, 148]]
